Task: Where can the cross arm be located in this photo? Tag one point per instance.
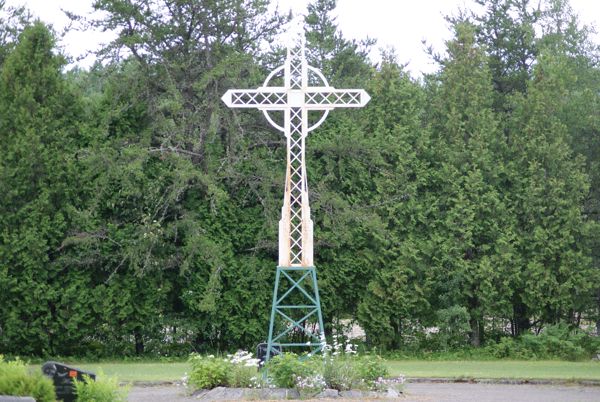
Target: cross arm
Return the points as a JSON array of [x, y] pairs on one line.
[[271, 98], [333, 98]]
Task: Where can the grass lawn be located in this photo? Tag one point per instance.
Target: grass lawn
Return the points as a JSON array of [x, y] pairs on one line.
[[159, 371], [550, 369]]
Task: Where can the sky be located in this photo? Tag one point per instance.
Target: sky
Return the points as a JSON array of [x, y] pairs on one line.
[[401, 24]]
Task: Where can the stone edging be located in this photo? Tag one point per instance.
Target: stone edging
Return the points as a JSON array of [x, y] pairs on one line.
[[506, 381]]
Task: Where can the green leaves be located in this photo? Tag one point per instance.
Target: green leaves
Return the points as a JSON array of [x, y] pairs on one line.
[[139, 215]]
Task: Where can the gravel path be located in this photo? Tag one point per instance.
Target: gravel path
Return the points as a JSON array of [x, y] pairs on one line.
[[427, 392]]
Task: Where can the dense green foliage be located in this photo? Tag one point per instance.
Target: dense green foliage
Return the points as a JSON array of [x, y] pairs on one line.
[[208, 372], [103, 389], [16, 380], [335, 371], [239, 371], [138, 215], [286, 367], [557, 342]]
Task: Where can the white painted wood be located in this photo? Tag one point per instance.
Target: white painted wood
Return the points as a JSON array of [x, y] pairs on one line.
[[295, 99]]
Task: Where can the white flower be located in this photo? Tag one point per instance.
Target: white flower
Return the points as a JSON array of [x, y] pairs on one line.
[[252, 363]]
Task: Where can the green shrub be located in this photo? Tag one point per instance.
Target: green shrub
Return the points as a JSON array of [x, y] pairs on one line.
[[15, 380], [554, 342], [370, 368], [242, 370], [287, 367], [453, 327], [208, 372], [339, 372], [103, 389], [310, 386], [238, 370]]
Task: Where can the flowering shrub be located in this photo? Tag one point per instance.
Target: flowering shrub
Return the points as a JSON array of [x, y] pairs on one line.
[[285, 368], [339, 367], [234, 371], [370, 368], [311, 385], [262, 380], [242, 369], [340, 373], [343, 369], [207, 371]]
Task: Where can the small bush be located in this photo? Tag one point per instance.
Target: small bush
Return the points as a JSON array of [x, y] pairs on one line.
[[341, 370], [242, 370], [103, 389], [15, 380], [287, 367], [236, 370], [208, 372], [453, 327], [510, 348], [340, 373], [370, 368], [310, 386], [554, 342]]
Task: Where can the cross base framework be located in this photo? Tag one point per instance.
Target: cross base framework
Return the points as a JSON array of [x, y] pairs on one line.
[[296, 307]]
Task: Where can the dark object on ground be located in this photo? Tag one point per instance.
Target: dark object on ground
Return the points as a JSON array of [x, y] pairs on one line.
[[261, 352], [4, 398], [63, 376]]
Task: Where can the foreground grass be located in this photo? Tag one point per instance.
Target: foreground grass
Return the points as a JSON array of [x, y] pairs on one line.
[[134, 371], [560, 370], [514, 369]]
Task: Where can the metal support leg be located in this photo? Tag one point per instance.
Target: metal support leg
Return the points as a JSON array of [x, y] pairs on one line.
[[293, 306]]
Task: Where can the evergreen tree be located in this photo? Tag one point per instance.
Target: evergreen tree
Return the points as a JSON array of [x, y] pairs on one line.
[[472, 213], [44, 308], [12, 22], [395, 299], [547, 188], [507, 30]]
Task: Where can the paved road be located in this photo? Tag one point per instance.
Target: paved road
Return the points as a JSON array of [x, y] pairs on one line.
[[463, 392], [428, 392]]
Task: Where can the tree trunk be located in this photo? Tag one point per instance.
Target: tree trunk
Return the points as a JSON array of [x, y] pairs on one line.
[[598, 319], [476, 332], [521, 321], [139, 343]]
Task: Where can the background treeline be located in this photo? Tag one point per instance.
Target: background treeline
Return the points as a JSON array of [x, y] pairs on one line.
[[138, 215]]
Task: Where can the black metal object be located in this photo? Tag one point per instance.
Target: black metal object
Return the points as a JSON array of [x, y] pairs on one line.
[[261, 352], [63, 376]]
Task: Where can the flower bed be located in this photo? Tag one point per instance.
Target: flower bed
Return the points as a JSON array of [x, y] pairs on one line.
[[338, 370]]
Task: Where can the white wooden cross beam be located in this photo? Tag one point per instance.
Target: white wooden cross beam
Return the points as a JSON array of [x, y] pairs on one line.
[[296, 98]]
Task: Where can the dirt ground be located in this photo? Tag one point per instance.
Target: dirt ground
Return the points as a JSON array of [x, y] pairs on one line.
[[427, 392]]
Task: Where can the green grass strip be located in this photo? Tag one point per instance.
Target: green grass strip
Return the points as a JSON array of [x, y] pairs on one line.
[[513, 369]]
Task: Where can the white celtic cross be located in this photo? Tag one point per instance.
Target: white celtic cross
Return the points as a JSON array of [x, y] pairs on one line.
[[295, 98]]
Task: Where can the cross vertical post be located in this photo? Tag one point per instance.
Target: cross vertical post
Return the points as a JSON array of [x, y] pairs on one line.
[[296, 305]]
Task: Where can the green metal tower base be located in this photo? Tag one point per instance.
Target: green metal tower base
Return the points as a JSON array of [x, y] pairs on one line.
[[295, 304]]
